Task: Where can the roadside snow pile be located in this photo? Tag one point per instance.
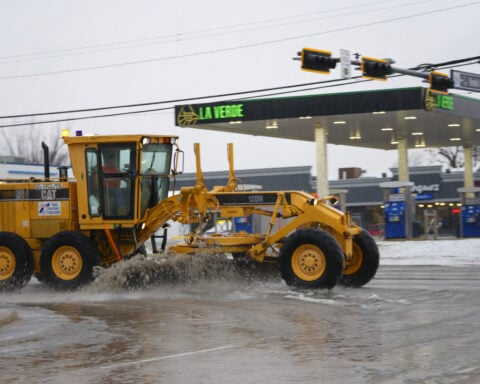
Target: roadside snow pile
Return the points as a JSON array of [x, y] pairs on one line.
[[430, 252]]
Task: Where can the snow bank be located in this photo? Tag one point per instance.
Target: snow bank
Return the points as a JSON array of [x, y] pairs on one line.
[[430, 252]]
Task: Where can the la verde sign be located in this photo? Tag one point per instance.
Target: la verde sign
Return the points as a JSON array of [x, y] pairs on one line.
[[190, 115], [220, 112]]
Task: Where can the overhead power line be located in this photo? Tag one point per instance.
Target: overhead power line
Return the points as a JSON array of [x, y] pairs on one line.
[[252, 45], [274, 91], [171, 101], [456, 62], [85, 117], [204, 33]]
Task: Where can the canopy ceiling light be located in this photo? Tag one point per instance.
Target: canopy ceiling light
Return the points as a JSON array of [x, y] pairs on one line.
[[271, 124]]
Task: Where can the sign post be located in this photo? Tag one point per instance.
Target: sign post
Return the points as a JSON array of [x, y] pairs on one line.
[[345, 62]]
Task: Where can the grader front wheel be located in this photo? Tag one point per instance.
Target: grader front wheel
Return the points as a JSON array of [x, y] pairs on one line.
[[311, 258], [67, 260]]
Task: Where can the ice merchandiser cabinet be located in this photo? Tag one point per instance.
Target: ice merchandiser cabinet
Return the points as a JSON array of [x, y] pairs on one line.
[[398, 209]]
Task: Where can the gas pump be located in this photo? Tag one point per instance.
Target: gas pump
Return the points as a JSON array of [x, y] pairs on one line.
[[395, 219], [398, 209], [470, 214]]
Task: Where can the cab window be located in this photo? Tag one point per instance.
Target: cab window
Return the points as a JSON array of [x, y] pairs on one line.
[[117, 179], [92, 182], [155, 168]]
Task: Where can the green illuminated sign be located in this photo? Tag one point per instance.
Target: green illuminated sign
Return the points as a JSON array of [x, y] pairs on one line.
[[189, 115], [444, 101], [218, 112]]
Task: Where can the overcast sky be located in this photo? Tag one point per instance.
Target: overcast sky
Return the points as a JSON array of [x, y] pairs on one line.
[[64, 55]]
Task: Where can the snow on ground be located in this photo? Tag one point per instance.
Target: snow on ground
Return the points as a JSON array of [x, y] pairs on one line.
[[429, 252]]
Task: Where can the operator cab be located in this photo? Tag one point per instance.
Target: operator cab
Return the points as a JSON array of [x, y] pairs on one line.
[[124, 175], [110, 179]]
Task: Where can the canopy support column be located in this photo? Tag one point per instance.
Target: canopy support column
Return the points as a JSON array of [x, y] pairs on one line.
[[468, 166], [403, 173], [404, 176], [322, 164]]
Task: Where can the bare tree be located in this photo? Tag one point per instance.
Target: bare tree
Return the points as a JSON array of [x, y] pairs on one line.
[[450, 157], [454, 157], [476, 155], [27, 144]]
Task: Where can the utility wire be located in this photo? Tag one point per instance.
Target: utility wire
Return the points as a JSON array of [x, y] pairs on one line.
[[194, 34], [464, 61], [154, 109], [321, 85], [166, 101], [252, 45], [86, 117], [181, 37]]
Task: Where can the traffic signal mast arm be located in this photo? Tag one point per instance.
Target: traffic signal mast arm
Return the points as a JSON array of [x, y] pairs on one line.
[[316, 60], [378, 69], [387, 68]]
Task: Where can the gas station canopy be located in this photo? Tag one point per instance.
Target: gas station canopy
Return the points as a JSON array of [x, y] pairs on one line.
[[371, 119]]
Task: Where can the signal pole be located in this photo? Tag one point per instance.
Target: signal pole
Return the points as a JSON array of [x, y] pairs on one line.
[[321, 61]]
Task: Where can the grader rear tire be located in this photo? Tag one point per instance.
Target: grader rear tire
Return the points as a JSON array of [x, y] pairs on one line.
[[311, 258], [364, 263], [16, 262], [67, 260]]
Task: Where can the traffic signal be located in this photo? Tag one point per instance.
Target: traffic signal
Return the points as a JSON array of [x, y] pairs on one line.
[[376, 69], [439, 82], [316, 60], [429, 101]]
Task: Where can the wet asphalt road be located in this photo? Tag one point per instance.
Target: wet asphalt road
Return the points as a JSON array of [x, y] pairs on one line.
[[408, 325]]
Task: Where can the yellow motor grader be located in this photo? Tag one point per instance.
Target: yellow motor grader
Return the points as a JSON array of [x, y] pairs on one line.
[[61, 229]]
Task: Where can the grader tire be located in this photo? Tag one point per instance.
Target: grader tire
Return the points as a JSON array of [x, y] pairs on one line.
[[311, 258], [16, 262], [67, 260], [364, 264]]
